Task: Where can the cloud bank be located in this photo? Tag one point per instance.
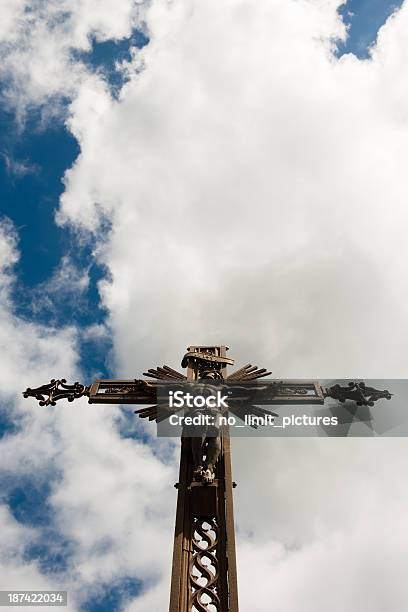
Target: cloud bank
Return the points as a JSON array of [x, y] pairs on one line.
[[255, 186]]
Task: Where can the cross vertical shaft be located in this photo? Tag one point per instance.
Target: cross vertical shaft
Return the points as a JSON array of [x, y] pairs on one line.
[[204, 559]]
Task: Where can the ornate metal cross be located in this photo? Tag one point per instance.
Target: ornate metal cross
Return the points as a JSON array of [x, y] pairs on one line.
[[204, 576]]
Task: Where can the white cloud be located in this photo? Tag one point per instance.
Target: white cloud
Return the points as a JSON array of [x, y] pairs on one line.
[[68, 282], [15, 571], [116, 501], [18, 168], [251, 177], [357, 569], [8, 252], [38, 42], [328, 527]]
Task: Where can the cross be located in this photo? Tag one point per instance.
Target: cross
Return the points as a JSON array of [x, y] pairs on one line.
[[204, 574]]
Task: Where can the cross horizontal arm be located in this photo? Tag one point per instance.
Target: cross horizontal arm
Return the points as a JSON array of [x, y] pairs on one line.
[[285, 392], [268, 392], [100, 392]]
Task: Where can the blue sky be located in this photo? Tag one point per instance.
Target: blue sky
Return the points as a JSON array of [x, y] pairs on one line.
[[364, 18], [33, 159]]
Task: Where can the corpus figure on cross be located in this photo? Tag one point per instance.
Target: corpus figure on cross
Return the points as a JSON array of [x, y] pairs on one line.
[[206, 437]]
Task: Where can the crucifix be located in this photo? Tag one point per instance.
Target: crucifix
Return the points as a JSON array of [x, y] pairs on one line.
[[204, 574]]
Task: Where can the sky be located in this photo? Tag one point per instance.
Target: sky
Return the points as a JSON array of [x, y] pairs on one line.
[[184, 173]]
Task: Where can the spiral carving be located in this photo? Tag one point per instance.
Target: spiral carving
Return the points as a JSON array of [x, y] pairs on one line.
[[203, 571]]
